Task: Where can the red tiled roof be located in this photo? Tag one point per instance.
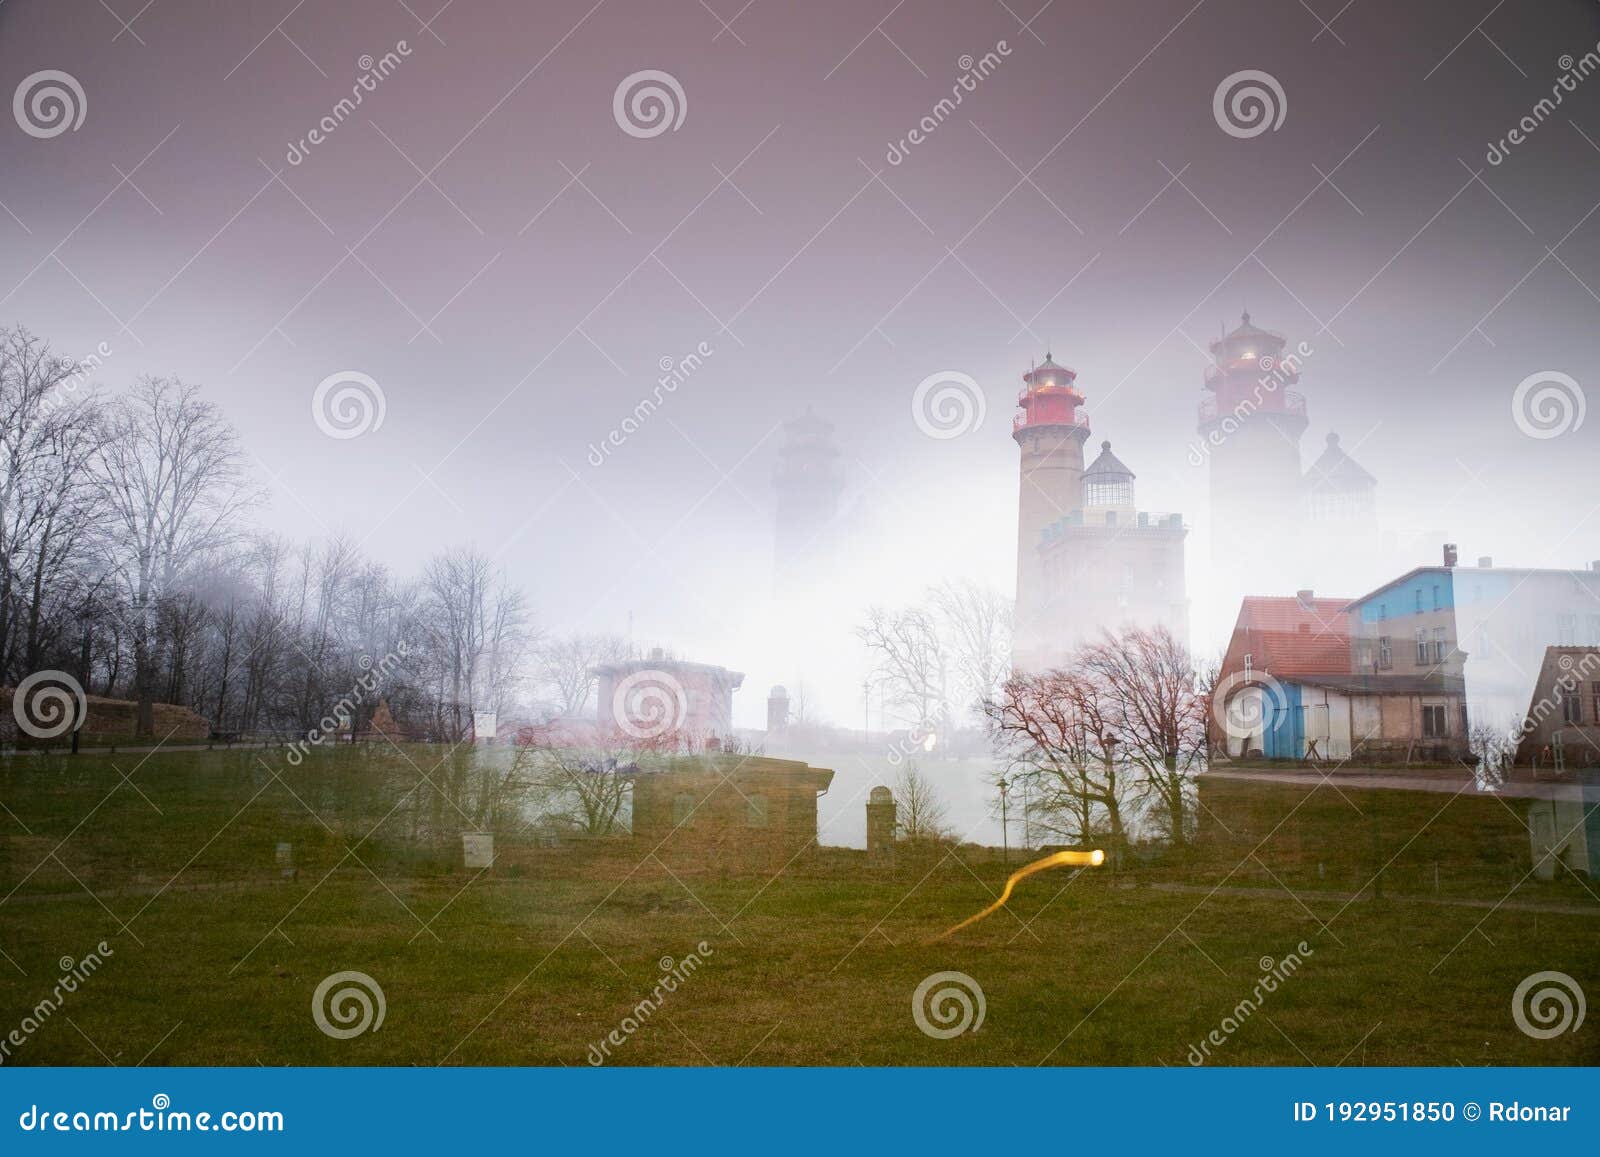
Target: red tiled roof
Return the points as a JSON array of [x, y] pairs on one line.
[[1287, 637]]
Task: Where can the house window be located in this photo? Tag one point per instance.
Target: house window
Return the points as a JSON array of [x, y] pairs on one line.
[[1435, 596], [1438, 645], [1571, 706], [1596, 687], [682, 809], [1422, 646], [1567, 630], [1419, 600], [1385, 653], [1433, 721], [755, 811]]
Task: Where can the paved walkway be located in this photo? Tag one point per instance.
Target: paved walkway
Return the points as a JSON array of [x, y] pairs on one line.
[[1365, 896], [1445, 782], [256, 745]]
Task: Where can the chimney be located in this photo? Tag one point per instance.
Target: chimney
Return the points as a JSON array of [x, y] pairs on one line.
[[1449, 554], [657, 654], [1485, 562], [1305, 597], [1595, 565]]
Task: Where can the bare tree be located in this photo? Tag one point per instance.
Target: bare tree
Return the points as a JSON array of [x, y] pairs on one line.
[[1494, 748], [977, 621], [173, 486], [565, 667], [477, 628], [588, 787], [49, 436], [919, 811], [909, 662], [1156, 710], [1053, 729]]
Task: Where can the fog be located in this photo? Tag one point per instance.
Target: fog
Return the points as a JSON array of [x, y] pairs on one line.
[[483, 239]]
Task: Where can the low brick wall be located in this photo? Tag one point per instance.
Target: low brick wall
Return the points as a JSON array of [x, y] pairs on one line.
[[110, 721]]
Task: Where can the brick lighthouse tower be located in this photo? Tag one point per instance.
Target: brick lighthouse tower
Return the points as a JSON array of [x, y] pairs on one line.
[[1250, 426], [1050, 433], [807, 484]]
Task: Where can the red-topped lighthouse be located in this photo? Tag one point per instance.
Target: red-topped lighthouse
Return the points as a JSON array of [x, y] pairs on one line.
[[1251, 422], [1051, 433]]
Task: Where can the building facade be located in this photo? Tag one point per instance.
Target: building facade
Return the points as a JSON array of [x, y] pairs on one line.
[[727, 806], [1560, 732], [1486, 625], [667, 701], [1432, 667]]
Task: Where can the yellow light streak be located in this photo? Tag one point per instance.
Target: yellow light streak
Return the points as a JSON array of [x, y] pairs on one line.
[[1058, 860]]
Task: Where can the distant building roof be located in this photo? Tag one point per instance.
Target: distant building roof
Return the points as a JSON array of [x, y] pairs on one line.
[[1291, 636], [660, 662], [1589, 577]]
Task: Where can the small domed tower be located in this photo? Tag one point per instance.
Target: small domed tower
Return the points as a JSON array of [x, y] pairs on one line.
[[1339, 489], [1108, 489], [1050, 432]]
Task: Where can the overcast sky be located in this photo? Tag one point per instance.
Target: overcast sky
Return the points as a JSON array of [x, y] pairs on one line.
[[484, 240]]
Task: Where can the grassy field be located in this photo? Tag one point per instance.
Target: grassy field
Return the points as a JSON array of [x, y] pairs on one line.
[[216, 955]]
